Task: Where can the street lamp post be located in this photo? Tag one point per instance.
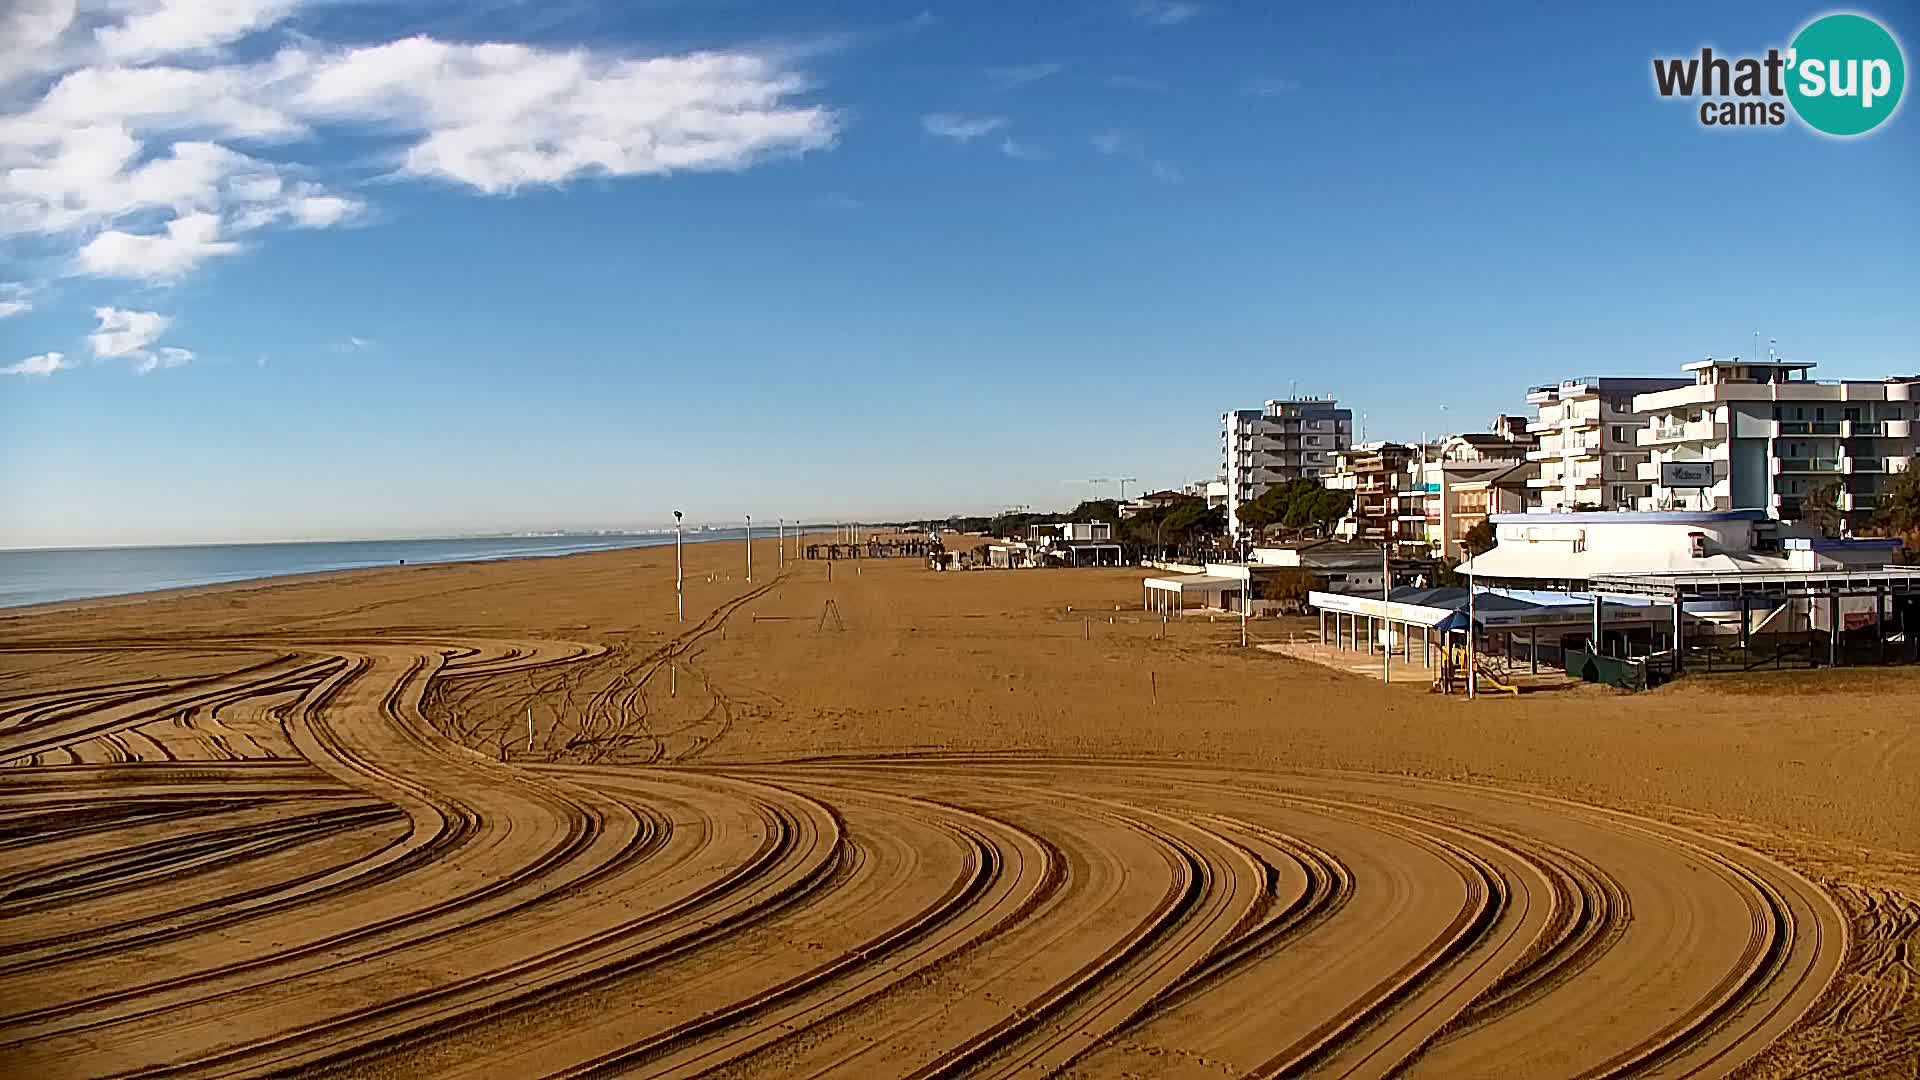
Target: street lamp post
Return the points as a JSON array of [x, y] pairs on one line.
[[679, 571]]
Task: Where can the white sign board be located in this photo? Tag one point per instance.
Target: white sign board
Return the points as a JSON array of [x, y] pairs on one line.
[[1686, 474]]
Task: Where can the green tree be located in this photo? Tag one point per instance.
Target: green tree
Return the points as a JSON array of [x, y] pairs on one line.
[[1899, 513], [1479, 539], [1821, 507]]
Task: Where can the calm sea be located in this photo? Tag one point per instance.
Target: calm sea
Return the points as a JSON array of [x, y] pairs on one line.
[[40, 577]]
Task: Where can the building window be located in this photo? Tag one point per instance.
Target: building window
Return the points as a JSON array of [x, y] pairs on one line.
[[1619, 495]]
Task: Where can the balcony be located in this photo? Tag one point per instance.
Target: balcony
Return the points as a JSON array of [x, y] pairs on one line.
[[1854, 500], [1691, 431], [1858, 429], [1866, 465], [1806, 465], [1822, 428]]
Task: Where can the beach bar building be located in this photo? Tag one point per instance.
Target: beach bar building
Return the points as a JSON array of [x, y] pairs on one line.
[[1411, 622]]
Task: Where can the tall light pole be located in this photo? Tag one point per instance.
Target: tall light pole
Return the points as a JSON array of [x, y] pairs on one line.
[[749, 549], [1386, 614], [679, 571], [1473, 681]]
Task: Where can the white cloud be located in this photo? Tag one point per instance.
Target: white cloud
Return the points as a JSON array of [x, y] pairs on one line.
[[1164, 12], [352, 344], [169, 255], [1128, 144], [501, 117], [43, 364], [123, 333], [163, 357], [173, 26], [1009, 77], [1268, 86], [127, 155], [14, 299], [1023, 151], [131, 336], [961, 127]]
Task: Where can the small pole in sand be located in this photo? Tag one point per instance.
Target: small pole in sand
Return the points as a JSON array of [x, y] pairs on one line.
[[679, 571], [1153, 678], [1087, 624], [783, 544], [529, 729], [673, 677], [749, 549]]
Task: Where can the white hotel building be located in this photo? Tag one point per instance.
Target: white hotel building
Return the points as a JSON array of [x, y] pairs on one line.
[[1588, 455], [1760, 435]]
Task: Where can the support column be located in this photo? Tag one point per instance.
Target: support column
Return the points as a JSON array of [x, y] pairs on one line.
[[1426, 646], [1679, 631], [1594, 637], [1833, 628], [1323, 626], [1746, 631], [1533, 650], [1373, 635], [1880, 621]]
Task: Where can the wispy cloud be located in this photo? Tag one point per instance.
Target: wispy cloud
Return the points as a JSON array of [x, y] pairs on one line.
[[834, 200], [351, 344], [1009, 77], [42, 364], [1165, 12], [1135, 82], [1268, 86], [131, 336], [1132, 146], [1023, 151], [15, 299], [961, 127], [124, 333]]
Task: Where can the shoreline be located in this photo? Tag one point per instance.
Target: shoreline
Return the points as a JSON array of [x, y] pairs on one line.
[[341, 575]]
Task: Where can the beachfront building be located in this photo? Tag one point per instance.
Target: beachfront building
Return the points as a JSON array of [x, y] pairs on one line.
[[1588, 454], [1288, 439], [1727, 574], [1453, 485], [1763, 435], [1386, 509]]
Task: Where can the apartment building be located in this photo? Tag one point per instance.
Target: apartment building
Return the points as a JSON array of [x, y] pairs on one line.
[[1286, 440], [1455, 484], [1763, 435], [1385, 508], [1589, 456]]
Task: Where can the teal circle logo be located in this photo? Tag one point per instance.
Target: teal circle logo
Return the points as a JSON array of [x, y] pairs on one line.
[[1846, 74]]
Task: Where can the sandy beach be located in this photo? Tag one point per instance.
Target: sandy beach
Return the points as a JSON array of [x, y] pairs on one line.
[[864, 819]]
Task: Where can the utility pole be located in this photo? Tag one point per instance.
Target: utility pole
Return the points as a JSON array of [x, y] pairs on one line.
[[679, 571], [1386, 613], [1473, 680]]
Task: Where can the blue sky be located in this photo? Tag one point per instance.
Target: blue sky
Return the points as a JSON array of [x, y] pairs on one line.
[[344, 268]]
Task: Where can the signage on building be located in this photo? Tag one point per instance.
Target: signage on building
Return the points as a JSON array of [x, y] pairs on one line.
[[1686, 474]]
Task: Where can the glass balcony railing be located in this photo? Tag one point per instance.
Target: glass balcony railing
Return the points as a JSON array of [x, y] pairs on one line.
[[1809, 465]]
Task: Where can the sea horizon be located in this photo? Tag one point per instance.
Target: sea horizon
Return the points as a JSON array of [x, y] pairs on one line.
[[33, 576]]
